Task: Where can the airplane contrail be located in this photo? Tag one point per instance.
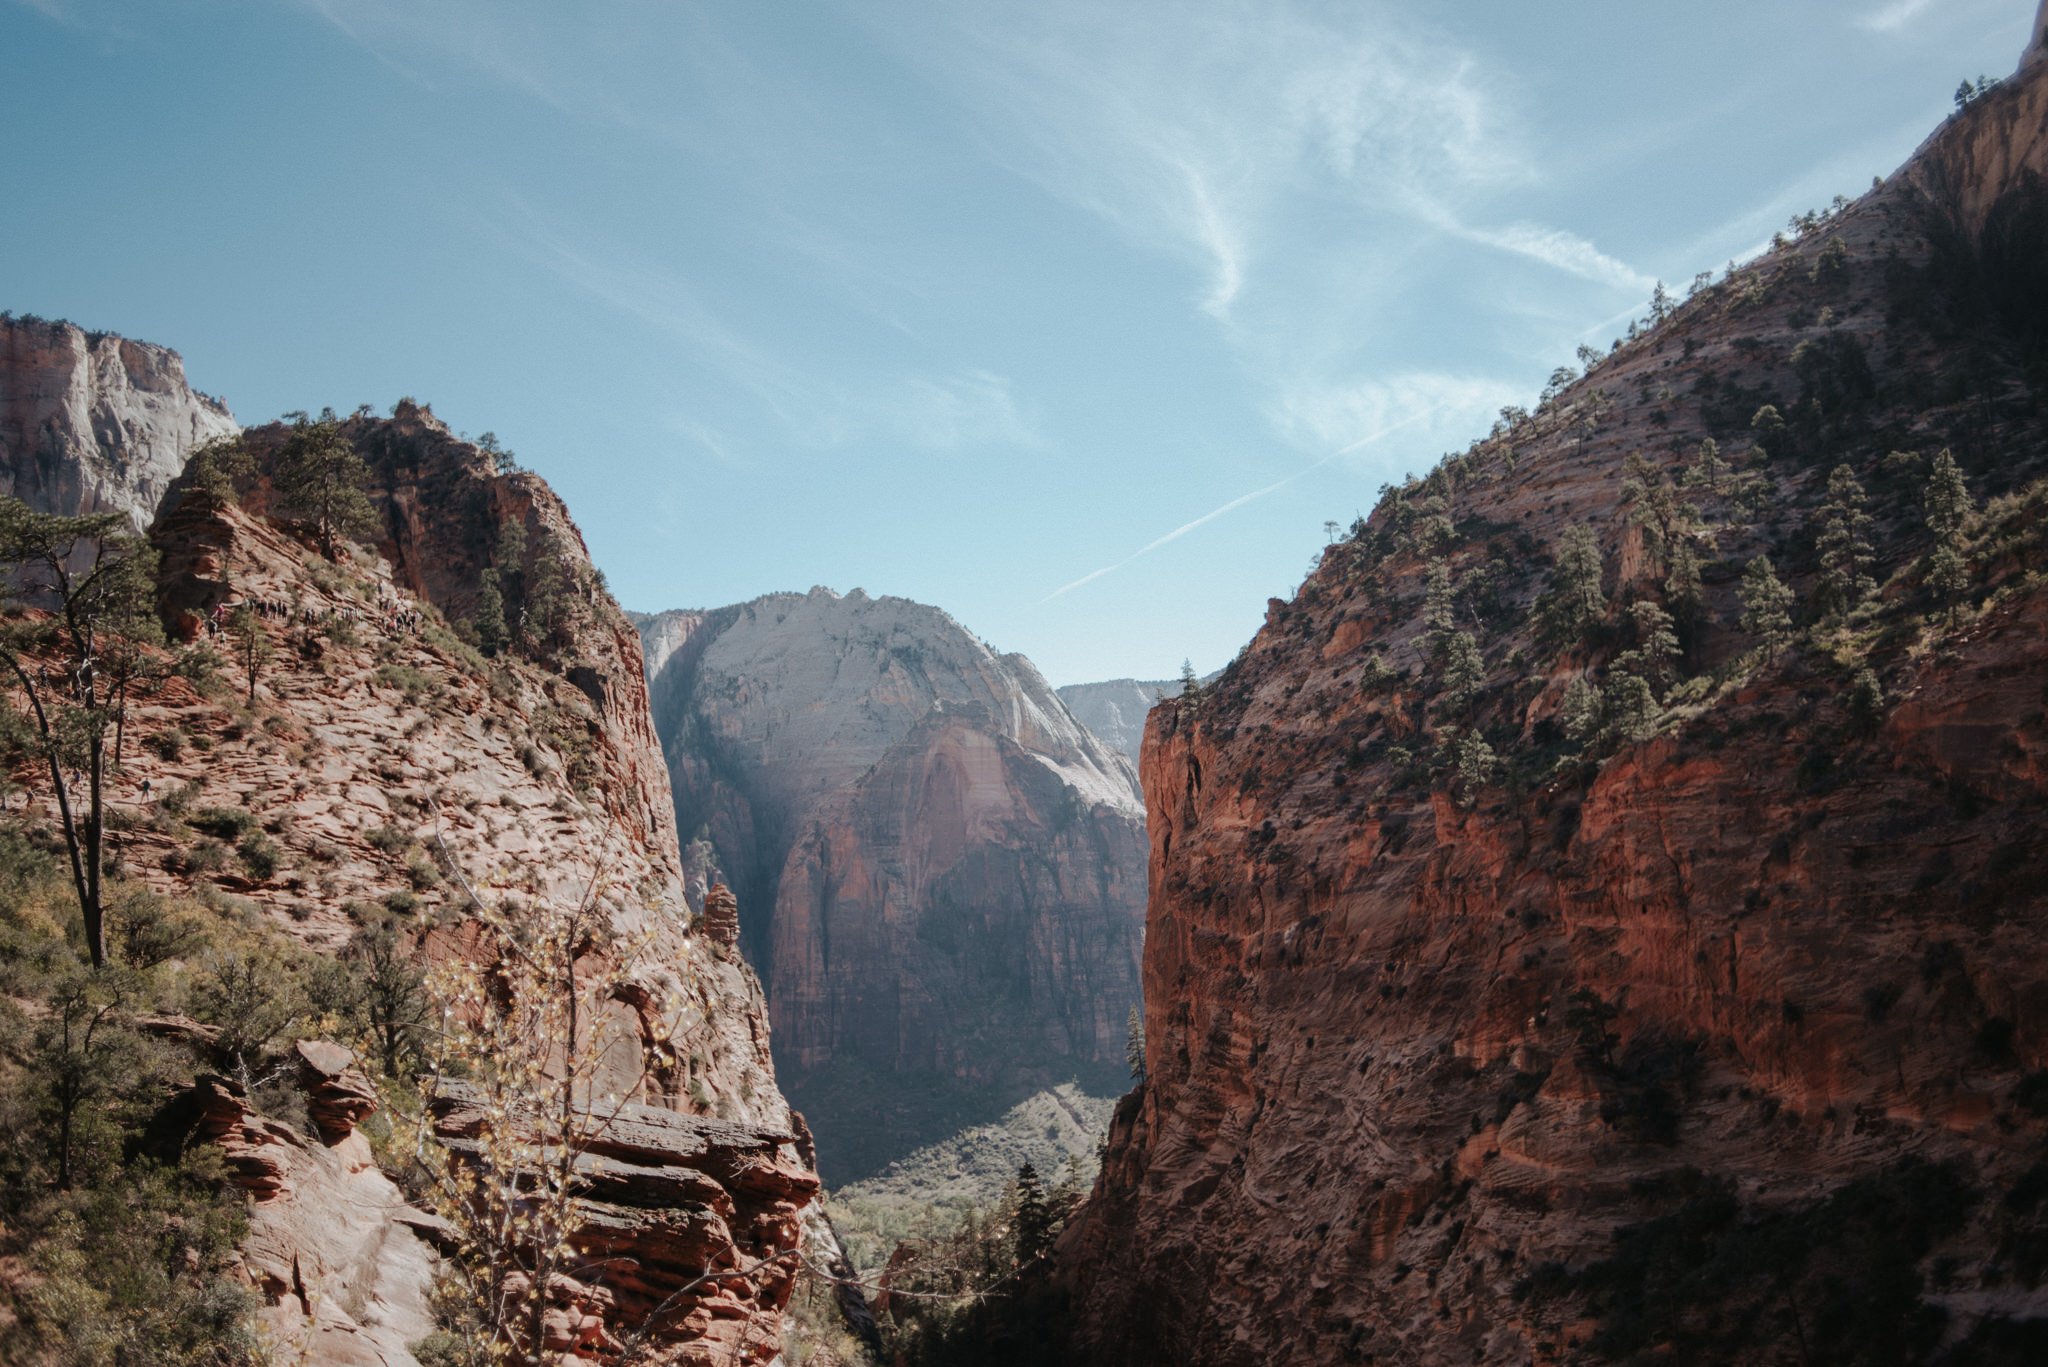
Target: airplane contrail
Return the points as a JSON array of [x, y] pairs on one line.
[[1237, 502]]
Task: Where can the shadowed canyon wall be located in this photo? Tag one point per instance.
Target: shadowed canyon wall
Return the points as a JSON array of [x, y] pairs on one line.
[[1485, 1028], [939, 870]]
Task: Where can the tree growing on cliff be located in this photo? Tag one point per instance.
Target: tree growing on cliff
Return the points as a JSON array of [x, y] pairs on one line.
[[92, 584], [1578, 712], [491, 632], [321, 478], [1948, 507], [1034, 1218], [1463, 669], [1842, 536], [253, 648], [1134, 1045], [1474, 763], [1655, 649], [1575, 604], [1708, 471], [1766, 604], [218, 466]]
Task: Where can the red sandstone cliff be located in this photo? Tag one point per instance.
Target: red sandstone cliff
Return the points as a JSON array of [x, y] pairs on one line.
[[1725, 1044], [381, 750], [949, 864]]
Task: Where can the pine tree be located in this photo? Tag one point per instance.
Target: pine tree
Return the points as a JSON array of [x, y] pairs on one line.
[[1656, 644], [98, 581], [1575, 603], [215, 467], [1578, 712], [1683, 591], [1948, 500], [1475, 763], [1632, 706], [1134, 1045], [491, 631], [1439, 601], [547, 594], [1866, 702], [252, 643], [321, 477], [1709, 471], [1948, 508], [1034, 1218], [1769, 426], [1843, 540], [1766, 604], [1464, 668]]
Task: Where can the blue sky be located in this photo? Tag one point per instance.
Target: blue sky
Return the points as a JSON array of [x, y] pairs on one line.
[[1078, 318]]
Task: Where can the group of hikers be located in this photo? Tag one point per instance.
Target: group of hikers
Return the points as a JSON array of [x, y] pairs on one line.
[[390, 612]]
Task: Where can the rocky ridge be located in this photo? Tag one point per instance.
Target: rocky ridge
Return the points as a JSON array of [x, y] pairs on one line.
[[95, 423], [937, 866], [1689, 1043], [382, 757]]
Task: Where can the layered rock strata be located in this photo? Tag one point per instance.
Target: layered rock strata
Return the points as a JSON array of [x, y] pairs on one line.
[[95, 423], [937, 867], [690, 1227], [1723, 1038]]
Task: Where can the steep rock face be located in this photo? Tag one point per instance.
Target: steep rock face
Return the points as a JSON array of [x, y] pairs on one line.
[[94, 423], [949, 863], [382, 757], [1114, 710], [1690, 1046]]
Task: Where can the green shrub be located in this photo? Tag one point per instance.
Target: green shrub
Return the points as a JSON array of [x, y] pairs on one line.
[[228, 823], [422, 872], [260, 855], [387, 839]]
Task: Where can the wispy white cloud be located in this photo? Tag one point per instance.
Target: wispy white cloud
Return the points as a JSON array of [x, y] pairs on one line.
[[1347, 418], [944, 413], [1270, 145], [1570, 254], [1890, 18]]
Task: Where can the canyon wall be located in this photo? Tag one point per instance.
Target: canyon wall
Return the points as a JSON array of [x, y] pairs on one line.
[[94, 423], [939, 870], [1114, 710], [1489, 1021]]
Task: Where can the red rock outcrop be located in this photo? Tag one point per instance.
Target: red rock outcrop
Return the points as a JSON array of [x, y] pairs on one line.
[[94, 423], [345, 1264], [665, 1199], [949, 864], [383, 758], [1666, 1048]]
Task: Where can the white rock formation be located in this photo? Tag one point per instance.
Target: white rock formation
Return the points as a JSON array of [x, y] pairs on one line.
[[92, 423], [812, 689], [1115, 708]]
